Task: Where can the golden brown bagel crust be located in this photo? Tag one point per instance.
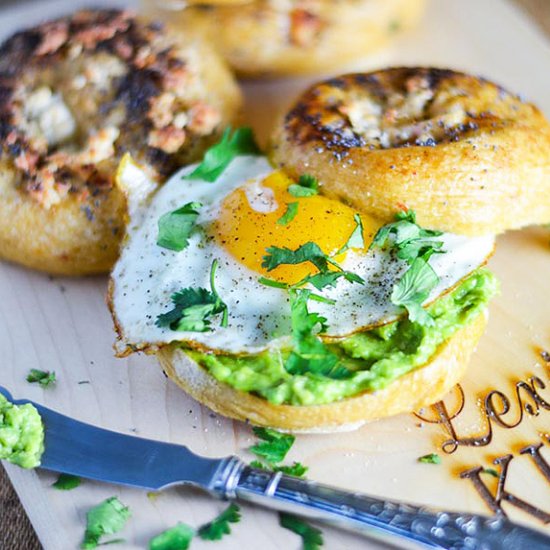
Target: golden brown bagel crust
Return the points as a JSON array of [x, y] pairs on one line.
[[272, 37], [75, 95], [420, 387], [466, 155]]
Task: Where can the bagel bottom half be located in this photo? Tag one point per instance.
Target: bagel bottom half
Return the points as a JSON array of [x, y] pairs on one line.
[[418, 388]]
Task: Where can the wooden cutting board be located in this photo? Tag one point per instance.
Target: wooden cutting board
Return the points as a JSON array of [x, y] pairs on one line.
[[498, 418]]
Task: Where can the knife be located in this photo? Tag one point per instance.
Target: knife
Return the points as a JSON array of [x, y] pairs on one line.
[[73, 447]]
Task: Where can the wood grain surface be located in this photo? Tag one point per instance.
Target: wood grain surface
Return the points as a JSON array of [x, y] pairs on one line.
[[15, 530]]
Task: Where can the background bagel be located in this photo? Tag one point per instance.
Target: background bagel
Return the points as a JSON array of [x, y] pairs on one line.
[[269, 37], [75, 95], [465, 154], [420, 387]]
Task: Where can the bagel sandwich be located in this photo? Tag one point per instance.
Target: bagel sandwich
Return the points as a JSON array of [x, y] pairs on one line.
[[466, 155], [274, 304], [76, 94], [262, 38]]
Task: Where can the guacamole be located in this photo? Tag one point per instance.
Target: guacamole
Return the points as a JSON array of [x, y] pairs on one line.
[[21, 434], [373, 358]]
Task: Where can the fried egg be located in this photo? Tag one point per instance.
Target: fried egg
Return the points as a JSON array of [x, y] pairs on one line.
[[239, 219]]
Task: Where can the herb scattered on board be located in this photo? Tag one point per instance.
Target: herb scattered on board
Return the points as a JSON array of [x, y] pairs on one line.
[[175, 538], [307, 186], [218, 157], [414, 245], [45, 378], [296, 469], [193, 308], [289, 215], [490, 471], [312, 538], [218, 527], [107, 518], [431, 458], [175, 227], [66, 482]]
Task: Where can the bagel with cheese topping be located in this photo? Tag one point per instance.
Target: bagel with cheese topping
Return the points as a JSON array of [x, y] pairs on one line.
[[76, 94], [468, 156], [275, 37]]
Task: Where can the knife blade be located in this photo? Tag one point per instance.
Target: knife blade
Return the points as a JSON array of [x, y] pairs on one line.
[[80, 449]]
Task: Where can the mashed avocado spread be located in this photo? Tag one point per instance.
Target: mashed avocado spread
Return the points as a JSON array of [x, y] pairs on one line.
[[21, 434], [373, 358]]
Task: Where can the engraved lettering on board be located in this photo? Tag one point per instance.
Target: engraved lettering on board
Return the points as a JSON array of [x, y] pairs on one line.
[[498, 410]]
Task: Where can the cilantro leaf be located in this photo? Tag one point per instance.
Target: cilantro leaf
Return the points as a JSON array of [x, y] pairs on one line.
[[329, 278], [218, 527], [218, 157], [289, 215], [312, 538], [310, 354], [66, 482], [193, 307], [356, 238], [274, 445], [176, 538], [308, 252], [307, 186], [106, 518], [413, 288], [175, 227], [44, 378], [431, 458], [297, 469]]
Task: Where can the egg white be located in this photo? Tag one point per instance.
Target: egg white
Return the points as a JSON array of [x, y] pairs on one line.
[[146, 275]]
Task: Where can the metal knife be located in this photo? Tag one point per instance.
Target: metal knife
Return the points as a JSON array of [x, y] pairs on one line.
[[73, 447]]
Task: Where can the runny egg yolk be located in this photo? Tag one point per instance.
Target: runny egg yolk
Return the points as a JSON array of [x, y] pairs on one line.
[[247, 225]]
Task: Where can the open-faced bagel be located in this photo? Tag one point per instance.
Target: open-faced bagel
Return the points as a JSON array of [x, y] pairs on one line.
[[75, 95], [273, 37], [420, 387], [465, 154]]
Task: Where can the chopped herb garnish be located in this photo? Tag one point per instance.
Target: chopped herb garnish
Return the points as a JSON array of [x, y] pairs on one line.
[[217, 528], [413, 288], [175, 538], [308, 252], [490, 471], [432, 458], [66, 482], [312, 538], [274, 445], [307, 186], [45, 378], [106, 518], [193, 307], [289, 215], [309, 353], [175, 227], [270, 282], [414, 245], [356, 238], [218, 157]]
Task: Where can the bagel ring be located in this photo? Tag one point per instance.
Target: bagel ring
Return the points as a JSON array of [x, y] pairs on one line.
[[75, 95], [270, 37], [465, 154]]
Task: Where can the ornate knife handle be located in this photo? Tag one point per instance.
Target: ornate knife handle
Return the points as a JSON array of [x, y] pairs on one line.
[[381, 519]]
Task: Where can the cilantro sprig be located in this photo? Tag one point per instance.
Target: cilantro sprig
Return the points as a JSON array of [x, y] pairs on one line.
[[312, 538], [178, 537], [307, 186], [44, 378], [174, 228], [193, 308], [414, 245], [218, 157], [273, 446], [107, 518], [219, 527]]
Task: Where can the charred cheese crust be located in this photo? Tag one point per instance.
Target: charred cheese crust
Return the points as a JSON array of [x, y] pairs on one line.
[[465, 154], [420, 387], [277, 37], [75, 95]]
